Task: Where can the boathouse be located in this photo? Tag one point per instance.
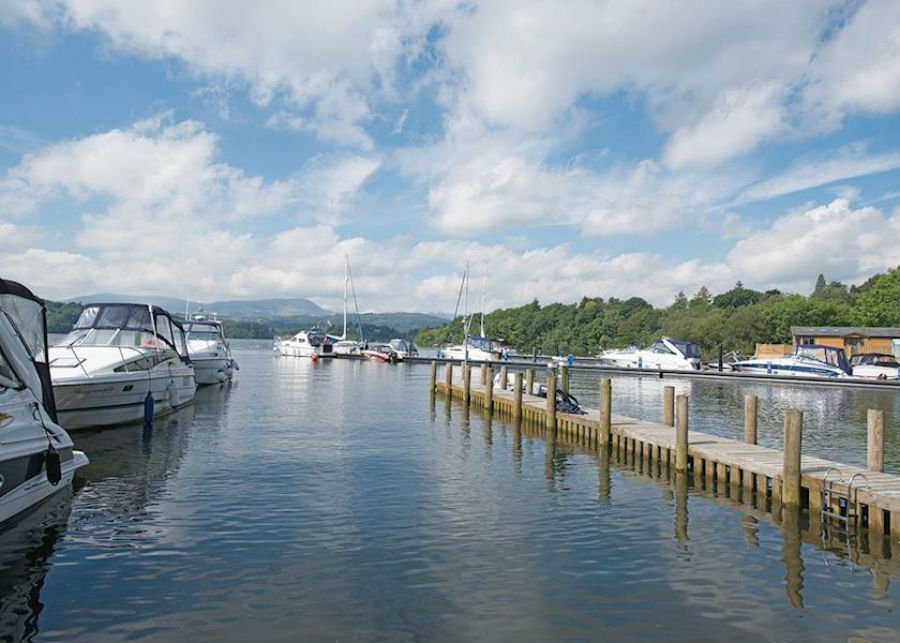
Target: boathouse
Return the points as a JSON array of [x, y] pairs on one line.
[[853, 339]]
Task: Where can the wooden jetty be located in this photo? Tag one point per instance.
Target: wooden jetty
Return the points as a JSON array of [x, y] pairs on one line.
[[772, 479]]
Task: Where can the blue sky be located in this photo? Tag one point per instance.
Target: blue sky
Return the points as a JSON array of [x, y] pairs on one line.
[[220, 149]]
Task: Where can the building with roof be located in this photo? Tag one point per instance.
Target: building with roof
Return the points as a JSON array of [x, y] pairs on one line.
[[853, 339]]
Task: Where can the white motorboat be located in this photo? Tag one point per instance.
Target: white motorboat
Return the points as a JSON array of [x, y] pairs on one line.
[[808, 360], [121, 363], [664, 354], [209, 351], [306, 343], [37, 457], [882, 366], [477, 349], [404, 348]]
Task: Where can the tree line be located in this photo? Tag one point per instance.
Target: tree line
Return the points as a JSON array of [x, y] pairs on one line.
[[736, 320]]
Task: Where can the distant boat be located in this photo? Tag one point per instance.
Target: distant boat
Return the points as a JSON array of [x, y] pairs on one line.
[[480, 349], [342, 345], [381, 352], [664, 354], [808, 360], [307, 343], [115, 354], [404, 348], [882, 366], [37, 457], [209, 350]]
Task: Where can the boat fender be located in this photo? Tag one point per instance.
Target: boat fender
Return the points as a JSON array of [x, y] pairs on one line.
[[172, 392], [314, 357], [54, 466], [148, 408]]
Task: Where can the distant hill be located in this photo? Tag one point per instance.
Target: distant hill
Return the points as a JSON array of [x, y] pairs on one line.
[[231, 309]]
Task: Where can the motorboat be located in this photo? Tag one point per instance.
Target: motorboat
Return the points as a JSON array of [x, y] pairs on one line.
[[209, 351], [664, 354], [882, 366], [307, 343], [347, 347], [122, 362], [478, 349], [404, 348], [380, 352], [807, 360], [37, 456]]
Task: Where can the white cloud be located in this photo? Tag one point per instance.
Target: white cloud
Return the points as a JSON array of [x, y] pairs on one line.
[[740, 119], [834, 239], [849, 162], [330, 185]]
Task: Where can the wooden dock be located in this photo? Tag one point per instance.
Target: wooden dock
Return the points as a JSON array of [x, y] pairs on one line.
[[854, 497]]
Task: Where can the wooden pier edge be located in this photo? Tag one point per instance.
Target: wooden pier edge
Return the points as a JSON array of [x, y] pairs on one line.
[[747, 468]]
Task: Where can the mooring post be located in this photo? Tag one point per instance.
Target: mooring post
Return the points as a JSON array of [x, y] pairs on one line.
[[489, 391], [529, 381], [483, 374], [517, 396], [875, 448], [565, 379], [433, 380], [681, 434], [605, 412], [448, 375], [504, 378], [793, 439], [467, 384], [551, 399], [669, 405], [751, 403]]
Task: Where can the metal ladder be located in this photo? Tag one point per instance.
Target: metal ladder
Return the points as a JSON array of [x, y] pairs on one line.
[[840, 510]]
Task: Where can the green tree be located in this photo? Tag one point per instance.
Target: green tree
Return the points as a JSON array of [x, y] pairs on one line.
[[878, 301]]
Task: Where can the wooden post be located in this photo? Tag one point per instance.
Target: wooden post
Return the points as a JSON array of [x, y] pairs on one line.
[[750, 424], [565, 379], [517, 396], [551, 399], [669, 405], [751, 403], [504, 378], [433, 380], [793, 439], [875, 449], [489, 391], [467, 384], [483, 374], [448, 374], [681, 434], [529, 381], [605, 411]]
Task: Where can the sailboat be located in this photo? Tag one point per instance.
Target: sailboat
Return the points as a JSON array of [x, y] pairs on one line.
[[481, 348], [342, 345]]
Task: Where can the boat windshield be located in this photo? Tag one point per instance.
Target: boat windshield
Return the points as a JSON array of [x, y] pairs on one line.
[[482, 342], [124, 325], [207, 332]]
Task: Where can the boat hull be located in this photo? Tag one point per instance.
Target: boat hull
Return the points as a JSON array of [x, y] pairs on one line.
[[787, 370], [17, 498], [216, 370], [119, 398]]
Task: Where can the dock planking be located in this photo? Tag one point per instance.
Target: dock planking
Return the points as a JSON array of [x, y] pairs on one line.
[[744, 467]]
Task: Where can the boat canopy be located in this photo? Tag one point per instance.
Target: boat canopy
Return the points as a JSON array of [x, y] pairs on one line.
[[830, 355], [127, 324], [688, 349], [203, 329], [23, 343]]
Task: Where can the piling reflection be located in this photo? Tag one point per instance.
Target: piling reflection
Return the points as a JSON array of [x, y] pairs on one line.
[[680, 483], [791, 555], [604, 485]]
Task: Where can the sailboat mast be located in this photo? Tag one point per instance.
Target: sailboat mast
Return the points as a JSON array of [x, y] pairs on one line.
[[466, 320], [483, 292], [346, 281]]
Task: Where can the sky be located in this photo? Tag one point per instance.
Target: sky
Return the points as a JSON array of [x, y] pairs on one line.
[[221, 149]]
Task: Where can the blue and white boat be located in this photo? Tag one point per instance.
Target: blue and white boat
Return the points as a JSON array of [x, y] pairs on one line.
[[808, 360]]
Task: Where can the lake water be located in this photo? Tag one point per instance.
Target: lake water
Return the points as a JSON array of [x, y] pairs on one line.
[[332, 502]]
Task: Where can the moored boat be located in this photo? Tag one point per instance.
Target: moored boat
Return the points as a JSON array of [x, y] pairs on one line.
[[807, 360], [664, 354], [37, 456], [209, 351], [882, 366], [380, 352], [122, 362], [306, 343]]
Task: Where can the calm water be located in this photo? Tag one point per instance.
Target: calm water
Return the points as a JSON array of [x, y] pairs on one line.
[[331, 502]]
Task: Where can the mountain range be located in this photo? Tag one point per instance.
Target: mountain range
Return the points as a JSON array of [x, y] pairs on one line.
[[253, 309]]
